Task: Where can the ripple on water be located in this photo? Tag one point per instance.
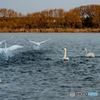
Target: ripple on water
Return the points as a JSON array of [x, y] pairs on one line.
[[42, 75]]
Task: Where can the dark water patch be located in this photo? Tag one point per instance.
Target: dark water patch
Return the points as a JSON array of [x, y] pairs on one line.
[[97, 57], [89, 79], [26, 57], [61, 63], [81, 73]]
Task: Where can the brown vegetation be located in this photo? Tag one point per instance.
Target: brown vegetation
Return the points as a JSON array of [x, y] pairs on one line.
[[82, 19]]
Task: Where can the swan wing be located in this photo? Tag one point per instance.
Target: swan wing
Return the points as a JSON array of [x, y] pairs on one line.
[[36, 43], [14, 47], [43, 41]]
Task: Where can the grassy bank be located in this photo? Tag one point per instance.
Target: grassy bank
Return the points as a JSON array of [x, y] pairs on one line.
[[58, 30]]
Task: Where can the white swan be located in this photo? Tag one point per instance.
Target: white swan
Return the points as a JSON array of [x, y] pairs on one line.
[[38, 43], [89, 54], [66, 58], [5, 51]]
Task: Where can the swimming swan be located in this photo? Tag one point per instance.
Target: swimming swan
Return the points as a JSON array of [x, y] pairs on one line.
[[89, 54], [66, 58]]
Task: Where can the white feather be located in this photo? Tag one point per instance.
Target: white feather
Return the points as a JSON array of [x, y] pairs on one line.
[[14, 47], [7, 51], [38, 43], [89, 54]]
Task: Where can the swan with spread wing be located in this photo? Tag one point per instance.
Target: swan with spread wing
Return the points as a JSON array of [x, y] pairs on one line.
[[38, 43], [6, 50]]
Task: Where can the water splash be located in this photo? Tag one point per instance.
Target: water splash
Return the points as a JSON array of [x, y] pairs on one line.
[[6, 52]]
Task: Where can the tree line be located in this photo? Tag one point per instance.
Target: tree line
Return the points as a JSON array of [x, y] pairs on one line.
[[82, 17]]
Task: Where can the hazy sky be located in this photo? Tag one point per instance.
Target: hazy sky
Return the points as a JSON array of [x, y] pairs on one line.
[[26, 6]]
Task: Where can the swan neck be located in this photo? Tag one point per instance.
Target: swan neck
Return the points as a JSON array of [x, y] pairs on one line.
[[65, 53]]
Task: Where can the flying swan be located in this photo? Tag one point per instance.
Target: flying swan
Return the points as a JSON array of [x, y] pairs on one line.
[[38, 43]]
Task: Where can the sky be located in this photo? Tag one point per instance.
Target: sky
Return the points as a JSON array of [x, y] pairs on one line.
[[28, 6]]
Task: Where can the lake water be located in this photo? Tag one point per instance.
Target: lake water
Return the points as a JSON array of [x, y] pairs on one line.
[[41, 74]]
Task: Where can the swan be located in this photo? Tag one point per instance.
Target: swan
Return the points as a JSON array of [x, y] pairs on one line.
[[66, 58], [89, 54], [38, 43], [5, 51]]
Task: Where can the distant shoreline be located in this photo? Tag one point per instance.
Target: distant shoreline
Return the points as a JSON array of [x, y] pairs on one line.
[[52, 30], [83, 19]]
